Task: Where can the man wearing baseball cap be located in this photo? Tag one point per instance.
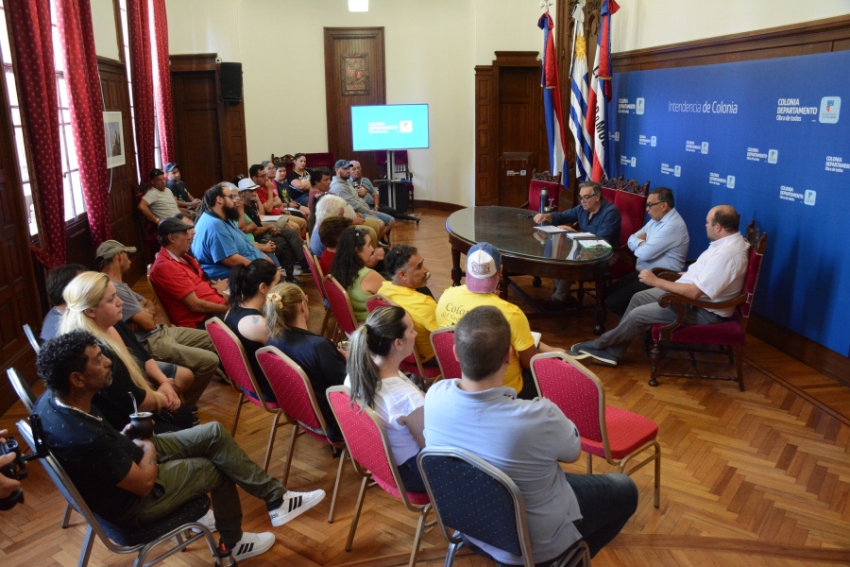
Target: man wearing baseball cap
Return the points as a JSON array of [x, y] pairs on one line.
[[175, 183], [483, 271], [190, 350]]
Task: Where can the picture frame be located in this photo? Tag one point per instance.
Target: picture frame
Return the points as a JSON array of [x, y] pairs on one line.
[[113, 129]]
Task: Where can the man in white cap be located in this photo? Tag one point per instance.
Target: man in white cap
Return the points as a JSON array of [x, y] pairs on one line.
[[483, 270]]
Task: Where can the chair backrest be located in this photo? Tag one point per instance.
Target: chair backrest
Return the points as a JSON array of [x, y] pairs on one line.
[[443, 342], [313, 264], [233, 358], [340, 305], [368, 444], [575, 390], [378, 300], [22, 389], [320, 159], [35, 342], [632, 207], [756, 255], [162, 310], [553, 188], [292, 389], [477, 499]]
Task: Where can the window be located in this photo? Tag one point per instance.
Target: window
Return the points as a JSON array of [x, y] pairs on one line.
[[74, 203]]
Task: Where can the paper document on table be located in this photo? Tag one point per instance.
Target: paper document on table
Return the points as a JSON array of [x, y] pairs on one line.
[[549, 229], [536, 336], [594, 244], [270, 218], [581, 235]]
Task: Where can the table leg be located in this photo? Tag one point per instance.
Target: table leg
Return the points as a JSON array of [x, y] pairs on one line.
[[601, 311], [457, 273]]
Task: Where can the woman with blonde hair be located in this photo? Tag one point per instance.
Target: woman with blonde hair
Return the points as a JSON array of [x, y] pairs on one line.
[[93, 305], [377, 349], [286, 315]]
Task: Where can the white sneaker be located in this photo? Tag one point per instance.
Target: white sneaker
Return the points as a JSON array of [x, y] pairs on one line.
[[208, 520], [295, 504], [252, 545]]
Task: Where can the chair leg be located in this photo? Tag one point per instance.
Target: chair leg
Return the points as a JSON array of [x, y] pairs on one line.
[[336, 485], [657, 474], [238, 411], [85, 553], [66, 519], [589, 464], [357, 509], [452, 551], [325, 322], [654, 356], [271, 440], [739, 361], [292, 439], [420, 529]]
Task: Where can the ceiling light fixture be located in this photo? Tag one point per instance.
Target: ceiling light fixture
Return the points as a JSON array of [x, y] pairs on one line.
[[358, 5]]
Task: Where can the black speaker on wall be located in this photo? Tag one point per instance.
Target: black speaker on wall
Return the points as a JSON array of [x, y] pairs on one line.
[[231, 82]]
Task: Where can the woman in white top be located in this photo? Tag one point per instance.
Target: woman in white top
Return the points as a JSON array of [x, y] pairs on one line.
[[377, 349]]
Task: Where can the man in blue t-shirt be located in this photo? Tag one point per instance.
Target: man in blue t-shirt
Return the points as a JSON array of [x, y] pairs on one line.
[[219, 244], [595, 215]]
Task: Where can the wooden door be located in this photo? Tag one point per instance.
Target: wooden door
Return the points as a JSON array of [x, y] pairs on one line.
[[520, 127], [354, 76], [196, 129]]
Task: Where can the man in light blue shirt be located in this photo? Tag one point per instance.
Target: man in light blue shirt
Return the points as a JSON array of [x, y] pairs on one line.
[[218, 244], [661, 243]]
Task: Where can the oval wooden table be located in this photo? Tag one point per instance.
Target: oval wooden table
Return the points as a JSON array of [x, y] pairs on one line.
[[526, 251]]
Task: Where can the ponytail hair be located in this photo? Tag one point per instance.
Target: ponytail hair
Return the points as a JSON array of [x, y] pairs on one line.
[[245, 280], [281, 308], [86, 291], [374, 338]]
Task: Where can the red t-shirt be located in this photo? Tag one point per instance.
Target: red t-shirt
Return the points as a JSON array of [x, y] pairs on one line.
[[263, 193], [172, 280], [326, 260]]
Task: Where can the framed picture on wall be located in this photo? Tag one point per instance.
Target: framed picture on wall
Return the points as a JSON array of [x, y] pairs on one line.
[[114, 136]]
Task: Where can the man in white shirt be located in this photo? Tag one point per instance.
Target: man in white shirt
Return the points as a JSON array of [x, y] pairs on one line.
[[662, 243], [718, 275], [159, 202]]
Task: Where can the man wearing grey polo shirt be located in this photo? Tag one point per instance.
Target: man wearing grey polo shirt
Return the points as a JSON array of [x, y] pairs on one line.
[[717, 275], [525, 439], [661, 243]]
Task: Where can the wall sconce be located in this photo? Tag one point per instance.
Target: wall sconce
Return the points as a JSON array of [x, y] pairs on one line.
[[358, 5]]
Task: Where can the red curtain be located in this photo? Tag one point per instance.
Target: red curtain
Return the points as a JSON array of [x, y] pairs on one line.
[[86, 104], [142, 77], [33, 52], [163, 94]]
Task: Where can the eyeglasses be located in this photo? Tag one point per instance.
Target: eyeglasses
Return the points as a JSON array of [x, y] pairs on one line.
[[585, 198], [650, 205]]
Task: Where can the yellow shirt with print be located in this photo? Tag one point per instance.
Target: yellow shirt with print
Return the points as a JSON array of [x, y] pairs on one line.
[[421, 309], [457, 301]]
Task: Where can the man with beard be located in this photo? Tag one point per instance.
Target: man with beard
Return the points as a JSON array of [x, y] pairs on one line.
[[219, 244]]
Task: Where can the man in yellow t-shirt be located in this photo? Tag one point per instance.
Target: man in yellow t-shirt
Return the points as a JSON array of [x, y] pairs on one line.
[[407, 289], [483, 270]]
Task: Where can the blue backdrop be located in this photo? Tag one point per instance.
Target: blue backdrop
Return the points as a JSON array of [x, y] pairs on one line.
[[769, 138]]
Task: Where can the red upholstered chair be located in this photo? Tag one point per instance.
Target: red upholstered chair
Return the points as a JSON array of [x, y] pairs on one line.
[[443, 342], [320, 159], [413, 363], [609, 432], [369, 446], [337, 297], [313, 264], [298, 401], [729, 336], [235, 362]]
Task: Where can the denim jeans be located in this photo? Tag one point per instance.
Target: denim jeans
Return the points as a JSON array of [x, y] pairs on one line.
[[410, 475], [606, 501]]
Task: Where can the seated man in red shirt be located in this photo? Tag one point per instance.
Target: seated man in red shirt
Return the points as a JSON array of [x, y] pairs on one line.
[[186, 292]]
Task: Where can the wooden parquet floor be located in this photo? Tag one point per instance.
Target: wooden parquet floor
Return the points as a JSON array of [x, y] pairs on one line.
[[759, 478]]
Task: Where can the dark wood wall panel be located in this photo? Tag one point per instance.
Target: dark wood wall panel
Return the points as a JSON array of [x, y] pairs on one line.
[[484, 181], [351, 42], [821, 36]]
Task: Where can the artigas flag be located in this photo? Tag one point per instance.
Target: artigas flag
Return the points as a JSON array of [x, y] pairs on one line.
[[600, 92], [552, 97]]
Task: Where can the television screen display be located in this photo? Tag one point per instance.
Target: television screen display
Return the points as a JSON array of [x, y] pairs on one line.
[[389, 127]]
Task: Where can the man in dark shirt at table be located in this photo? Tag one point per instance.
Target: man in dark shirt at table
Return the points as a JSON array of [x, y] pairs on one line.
[[594, 215], [137, 482]]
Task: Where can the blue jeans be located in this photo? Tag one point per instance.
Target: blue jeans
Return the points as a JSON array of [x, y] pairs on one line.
[[606, 501], [387, 219], [410, 475]]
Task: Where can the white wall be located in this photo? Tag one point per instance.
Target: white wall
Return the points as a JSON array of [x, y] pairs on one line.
[[641, 24], [105, 34]]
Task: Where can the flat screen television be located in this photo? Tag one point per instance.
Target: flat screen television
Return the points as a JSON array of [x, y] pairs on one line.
[[389, 127]]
